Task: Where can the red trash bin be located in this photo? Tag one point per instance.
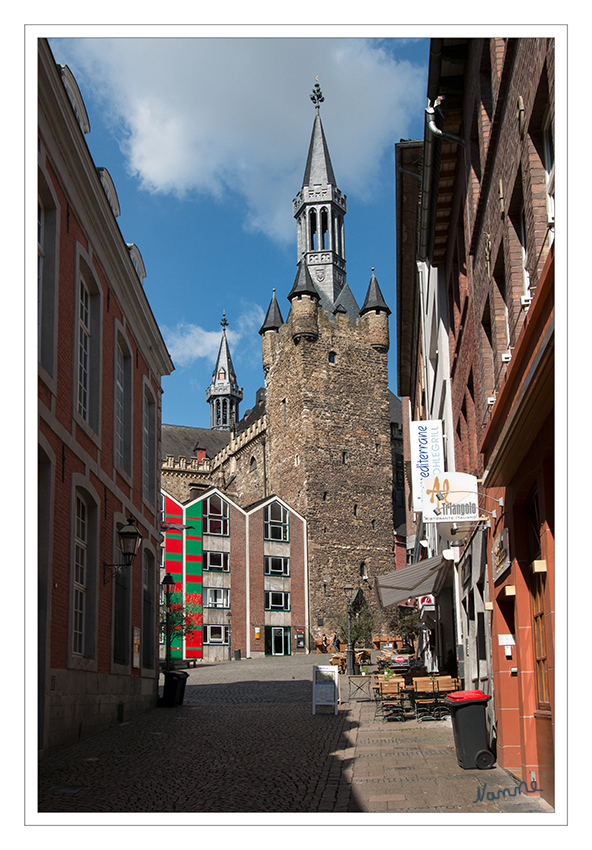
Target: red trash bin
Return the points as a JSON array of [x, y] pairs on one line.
[[470, 729]]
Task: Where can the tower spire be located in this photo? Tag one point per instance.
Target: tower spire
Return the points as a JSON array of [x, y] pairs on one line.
[[319, 209], [223, 395]]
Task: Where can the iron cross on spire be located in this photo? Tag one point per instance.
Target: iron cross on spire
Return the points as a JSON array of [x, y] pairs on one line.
[[317, 95], [224, 321]]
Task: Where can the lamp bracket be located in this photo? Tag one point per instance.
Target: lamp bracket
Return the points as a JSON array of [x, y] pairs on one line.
[[114, 569]]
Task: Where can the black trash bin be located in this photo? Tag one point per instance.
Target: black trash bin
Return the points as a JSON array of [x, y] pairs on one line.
[[174, 688], [237, 655], [470, 730]]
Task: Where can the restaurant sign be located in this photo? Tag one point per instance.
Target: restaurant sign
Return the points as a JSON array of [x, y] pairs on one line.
[[427, 456], [450, 497]]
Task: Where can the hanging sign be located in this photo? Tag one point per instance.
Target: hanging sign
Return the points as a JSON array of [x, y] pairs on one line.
[[325, 686], [450, 497], [427, 456]]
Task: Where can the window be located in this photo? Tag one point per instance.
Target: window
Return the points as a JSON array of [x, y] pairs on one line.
[[276, 566], [215, 515], [40, 259], [47, 262], [253, 465], [216, 635], [121, 612], [83, 349], [277, 600], [216, 561], [276, 525], [332, 357], [217, 597], [148, 624], [123, 406], [149, 448], [80, 576]]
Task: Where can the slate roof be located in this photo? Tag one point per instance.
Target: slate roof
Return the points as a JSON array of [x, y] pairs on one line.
[[183, 440]]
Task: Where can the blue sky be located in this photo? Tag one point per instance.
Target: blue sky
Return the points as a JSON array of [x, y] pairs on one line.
[[206, 141]]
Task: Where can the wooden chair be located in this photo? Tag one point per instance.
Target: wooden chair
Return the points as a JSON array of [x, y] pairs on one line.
[[390, 699], [425, 698], [444, 685]]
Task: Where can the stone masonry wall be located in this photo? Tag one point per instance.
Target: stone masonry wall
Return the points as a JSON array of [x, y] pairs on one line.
[[329, 455]]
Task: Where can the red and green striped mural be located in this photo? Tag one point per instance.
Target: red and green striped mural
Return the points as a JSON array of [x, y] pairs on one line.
[[183, 560]]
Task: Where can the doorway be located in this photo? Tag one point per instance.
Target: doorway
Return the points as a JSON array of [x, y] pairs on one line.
[[278, 640]]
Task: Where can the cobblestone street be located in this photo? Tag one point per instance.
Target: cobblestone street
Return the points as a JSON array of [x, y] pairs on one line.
[[245, 741]]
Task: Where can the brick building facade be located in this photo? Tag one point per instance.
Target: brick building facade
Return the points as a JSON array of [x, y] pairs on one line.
[[479, 357], [247, 569], [101, 359]]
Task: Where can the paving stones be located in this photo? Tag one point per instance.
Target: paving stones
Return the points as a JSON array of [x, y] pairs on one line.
[[245, 740]]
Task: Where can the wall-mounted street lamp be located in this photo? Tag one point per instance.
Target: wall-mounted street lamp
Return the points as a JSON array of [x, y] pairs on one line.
[[229, 618], [349, 590], [168, 583], [129, 544]]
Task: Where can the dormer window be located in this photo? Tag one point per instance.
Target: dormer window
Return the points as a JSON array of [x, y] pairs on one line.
[[75, 98], [221, 375], [137, 261], [109, 187]]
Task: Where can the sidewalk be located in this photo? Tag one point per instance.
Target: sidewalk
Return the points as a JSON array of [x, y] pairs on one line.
[[245, 740]]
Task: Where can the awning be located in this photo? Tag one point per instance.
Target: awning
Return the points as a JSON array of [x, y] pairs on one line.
[[425, 577]]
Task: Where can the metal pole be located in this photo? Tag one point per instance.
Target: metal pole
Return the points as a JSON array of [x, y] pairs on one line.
[[350, 649], [168, 629]]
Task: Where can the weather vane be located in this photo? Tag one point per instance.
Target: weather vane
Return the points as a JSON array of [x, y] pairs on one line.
[[317, 95], [224, 321]]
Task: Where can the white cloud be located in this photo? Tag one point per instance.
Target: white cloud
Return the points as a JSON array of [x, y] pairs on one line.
[[213, 116], [187, 342]]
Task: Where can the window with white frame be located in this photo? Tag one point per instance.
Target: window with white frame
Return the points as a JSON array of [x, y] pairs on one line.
[[216, 635], [123, 401], [80, 577], [276, 566], [215, 515], [277, 600], [217, 597], [149, 447], [218, 561], [276, 522], [83, 349]]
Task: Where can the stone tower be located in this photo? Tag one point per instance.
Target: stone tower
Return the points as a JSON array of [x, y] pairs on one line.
[[327, 401], [223, 394]]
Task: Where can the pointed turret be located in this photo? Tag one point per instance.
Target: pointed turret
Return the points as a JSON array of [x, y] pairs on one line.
[[375, 313], [273, 319], [319, 209], [223, 395], [304, 298], [374, 299]]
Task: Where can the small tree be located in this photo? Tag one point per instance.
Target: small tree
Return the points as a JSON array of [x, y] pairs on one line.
[[185, 616], [362, 624], [405, 622]]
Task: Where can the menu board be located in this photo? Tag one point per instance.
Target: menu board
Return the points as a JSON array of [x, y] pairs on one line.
[[325, 686]]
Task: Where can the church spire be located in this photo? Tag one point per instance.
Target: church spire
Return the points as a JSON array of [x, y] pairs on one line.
[[319, 209], [223, 395]]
